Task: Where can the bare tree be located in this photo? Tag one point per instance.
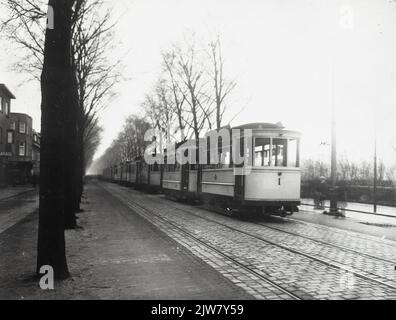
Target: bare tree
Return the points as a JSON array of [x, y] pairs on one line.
[[96, 76], [55, 81], [93, 78], [129, 145], [222, 86], [92, 139], [26, 26], [177, 91], [191, 75]]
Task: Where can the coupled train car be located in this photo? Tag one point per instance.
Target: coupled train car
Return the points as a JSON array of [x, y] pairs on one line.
[[270, 184]]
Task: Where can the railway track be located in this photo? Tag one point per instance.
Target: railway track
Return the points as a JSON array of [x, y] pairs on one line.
[[330, 264], [333, 265], [16, 196], [316, 240], [313, 239], [327, 244], [340, 231], [373, 278], [148, 215]]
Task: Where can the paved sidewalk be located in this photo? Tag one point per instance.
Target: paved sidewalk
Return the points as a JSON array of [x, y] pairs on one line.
[[377, 226], [369, 208], [117, 255]]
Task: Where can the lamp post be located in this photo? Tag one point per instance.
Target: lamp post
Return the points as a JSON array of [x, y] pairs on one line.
[[375, 173], [346, 21], [333, 188], [333, 192]]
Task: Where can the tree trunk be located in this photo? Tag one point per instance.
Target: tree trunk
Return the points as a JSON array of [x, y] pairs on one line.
[[55, 80], [71, 154]]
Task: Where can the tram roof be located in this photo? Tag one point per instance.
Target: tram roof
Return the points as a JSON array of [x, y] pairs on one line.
[[261, 125]]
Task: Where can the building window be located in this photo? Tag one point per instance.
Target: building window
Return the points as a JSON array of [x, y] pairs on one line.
[[10, 137], [4, 106], [22, 127], [12, 126], [22, 148]]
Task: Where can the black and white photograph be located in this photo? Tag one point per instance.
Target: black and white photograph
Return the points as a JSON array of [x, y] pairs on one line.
[[213, 152]]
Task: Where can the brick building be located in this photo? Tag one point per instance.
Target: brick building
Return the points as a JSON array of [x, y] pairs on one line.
[[5, 108], [19, 144], [36, 153]]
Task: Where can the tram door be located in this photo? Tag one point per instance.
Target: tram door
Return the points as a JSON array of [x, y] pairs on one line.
[[239, 187], [239, 190], [185, 179]]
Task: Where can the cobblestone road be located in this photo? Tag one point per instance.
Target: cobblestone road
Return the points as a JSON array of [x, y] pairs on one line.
[[270, 260]]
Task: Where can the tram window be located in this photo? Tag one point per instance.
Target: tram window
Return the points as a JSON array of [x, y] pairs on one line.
[[262, 152], [279, 152], [226, 159], [292, 154]]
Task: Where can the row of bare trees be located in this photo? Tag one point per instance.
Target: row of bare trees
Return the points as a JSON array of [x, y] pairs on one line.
[[188, 98], [77, 81], [128, 145], [350, 172], [190, 95]]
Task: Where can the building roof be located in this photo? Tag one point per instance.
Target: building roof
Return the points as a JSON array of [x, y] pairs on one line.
[[4, 88], [18, 114]]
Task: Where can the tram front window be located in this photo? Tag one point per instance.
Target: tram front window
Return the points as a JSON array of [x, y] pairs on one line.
[[292, 156], [279, 152], [262, 152], [284, 153]]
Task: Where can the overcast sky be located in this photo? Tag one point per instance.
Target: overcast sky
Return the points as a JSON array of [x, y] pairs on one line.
[[291, 59]]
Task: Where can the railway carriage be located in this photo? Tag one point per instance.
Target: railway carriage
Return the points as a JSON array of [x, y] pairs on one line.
[[273, 181], [117, 173], [270, 184], [180, 181], [155, 177], [146, 177], [123, 173], [132, 175]]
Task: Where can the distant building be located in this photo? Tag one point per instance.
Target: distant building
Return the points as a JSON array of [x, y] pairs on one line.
[[36, 153], [19, 144], [5, 108]]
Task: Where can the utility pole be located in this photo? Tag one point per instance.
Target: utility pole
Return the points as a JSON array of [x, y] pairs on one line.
[[375, 174], [333, 191], [346, 21]]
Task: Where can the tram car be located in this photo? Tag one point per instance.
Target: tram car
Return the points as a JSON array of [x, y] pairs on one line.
[[271, 186]]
